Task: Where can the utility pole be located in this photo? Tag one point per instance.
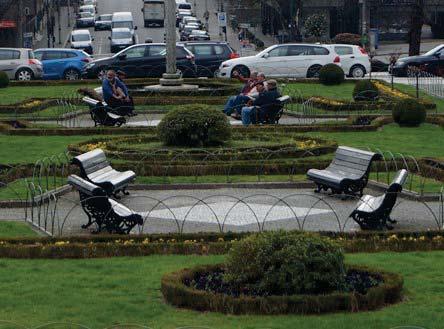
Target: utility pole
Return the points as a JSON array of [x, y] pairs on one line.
[[69, 16], [60, 23], [20, 23]]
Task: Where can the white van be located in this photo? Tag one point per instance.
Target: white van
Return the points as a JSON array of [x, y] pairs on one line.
[[153, 12], [124, 19]]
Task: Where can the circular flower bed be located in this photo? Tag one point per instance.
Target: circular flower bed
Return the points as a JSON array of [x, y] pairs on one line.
[[202, 289]]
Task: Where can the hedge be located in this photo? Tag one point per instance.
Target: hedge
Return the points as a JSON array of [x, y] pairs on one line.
[[178, 294], [100, 246]]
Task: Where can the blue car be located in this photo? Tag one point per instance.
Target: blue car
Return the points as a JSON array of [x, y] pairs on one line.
[[62, 63]]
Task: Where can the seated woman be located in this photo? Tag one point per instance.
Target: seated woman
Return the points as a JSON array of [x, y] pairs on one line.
[[115, 94]]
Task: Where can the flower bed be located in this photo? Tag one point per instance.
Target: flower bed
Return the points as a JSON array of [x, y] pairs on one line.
[[177, 290], [28, 106]]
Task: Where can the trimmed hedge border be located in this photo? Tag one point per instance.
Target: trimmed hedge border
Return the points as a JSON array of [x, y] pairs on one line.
[[178, 294], [100, 246]]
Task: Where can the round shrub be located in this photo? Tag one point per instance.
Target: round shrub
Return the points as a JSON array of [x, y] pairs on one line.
[[194, 126], [4, 80], [285, 263], [365, 90], [409, 112], [331, 74], [347, 38]]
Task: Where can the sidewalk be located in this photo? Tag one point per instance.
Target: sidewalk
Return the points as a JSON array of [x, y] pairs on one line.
[[65, 31]]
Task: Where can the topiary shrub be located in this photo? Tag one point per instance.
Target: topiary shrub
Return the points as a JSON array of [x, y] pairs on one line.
[[409, 112], [285, 263], [365, 90], [331, 74], [347, 38], [194, 126], [4, 80]]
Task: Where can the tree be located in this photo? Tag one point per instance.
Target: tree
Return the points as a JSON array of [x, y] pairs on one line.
[[316, 25], [416, 23]]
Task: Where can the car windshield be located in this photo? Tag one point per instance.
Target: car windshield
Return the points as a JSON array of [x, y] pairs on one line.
[[85, 15], [122, 35], [434, 50], [198, 32], [123, 24], [80, 37], [106, 17]]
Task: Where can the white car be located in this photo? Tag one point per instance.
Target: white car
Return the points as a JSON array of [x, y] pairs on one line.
[[354, 60], [81, 39], [285, 60]]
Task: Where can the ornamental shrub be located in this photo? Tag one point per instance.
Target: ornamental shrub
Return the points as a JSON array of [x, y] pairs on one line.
[[409, 112], [4, 80], [285, 263], [348, 39], [365, 90], [331, 74], [194, 126]]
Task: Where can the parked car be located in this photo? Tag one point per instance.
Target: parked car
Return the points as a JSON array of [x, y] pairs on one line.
[[198, 35], [354, 60], [142, 60], [186, 32], [62, 63], [20, 64], [182, 13], [85, 19], [87, 9], [81, 39], [431, 62], [180, 5], [103, 22], [209, 56], [186, 20], [124, 19], [90, 3], [284, 60], [121, 38]]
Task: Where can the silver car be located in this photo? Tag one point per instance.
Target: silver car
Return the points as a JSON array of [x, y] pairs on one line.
[[20, 64]]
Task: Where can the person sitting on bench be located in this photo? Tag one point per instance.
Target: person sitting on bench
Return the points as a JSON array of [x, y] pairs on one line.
[[258, 107], [116, 95]]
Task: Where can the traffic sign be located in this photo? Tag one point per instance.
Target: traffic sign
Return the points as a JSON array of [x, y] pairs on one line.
[[222, 19]]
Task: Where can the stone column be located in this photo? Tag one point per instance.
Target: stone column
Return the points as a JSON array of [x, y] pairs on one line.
[[171, 77]]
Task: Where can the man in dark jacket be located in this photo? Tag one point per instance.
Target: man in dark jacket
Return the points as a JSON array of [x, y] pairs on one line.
[[115, 94], [262, 104]]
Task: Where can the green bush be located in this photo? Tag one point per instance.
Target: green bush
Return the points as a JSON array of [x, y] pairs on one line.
[[194, 126], [4, 80], [331, 74], [347, 38], [409, 112], [365, 90], [285, 263]]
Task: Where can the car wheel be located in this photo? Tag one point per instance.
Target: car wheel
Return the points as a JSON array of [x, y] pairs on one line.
[[71, 74], [24, 75], [357, 71], [313, 71], [242, 70]]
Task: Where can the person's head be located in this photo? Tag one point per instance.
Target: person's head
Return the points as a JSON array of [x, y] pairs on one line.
[[111, 75], [260, 87], [261, 76], [271, 84], [253, 75]]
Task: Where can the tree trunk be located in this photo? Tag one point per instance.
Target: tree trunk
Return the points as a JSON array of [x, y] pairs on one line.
[[417, 21]]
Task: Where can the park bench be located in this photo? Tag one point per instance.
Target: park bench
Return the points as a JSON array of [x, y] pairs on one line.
[[374, 212], [95, 168], [274, 111], [101, 114], [347, 173], [107, 214]]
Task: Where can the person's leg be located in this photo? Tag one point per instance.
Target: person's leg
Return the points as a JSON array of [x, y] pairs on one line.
[[240, 102], [228, 108], [246, 115]]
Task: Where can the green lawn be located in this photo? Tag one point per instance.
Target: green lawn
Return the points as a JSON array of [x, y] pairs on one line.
[[412, 91], [16, 230], [102, 292], [343, 91], [12, 95], [422, 141]]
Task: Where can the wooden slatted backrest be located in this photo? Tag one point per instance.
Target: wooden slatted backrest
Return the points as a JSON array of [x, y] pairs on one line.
[[352, 160], [91, 162], [85, 187], [394, 189]]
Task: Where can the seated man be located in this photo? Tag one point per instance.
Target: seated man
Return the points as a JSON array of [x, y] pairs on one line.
[[259, 107], [235, 103], [115, 94]]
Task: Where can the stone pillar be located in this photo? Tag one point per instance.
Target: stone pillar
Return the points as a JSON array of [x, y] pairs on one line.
[[170, 78]]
